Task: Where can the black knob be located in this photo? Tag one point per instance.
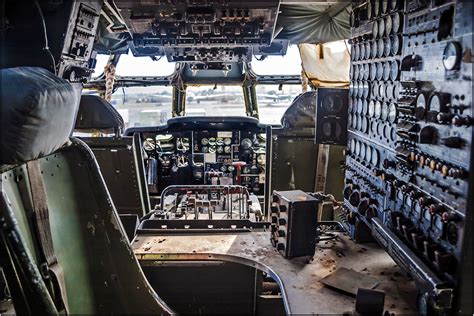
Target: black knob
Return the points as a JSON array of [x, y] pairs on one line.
[[453, 142], [389, 164], [280, 246], [354, 198], [281, 221], [363, 206], [461, 120], [281, 233], [443, 118]]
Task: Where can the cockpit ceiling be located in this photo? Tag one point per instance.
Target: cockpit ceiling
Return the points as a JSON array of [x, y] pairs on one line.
[[218, 30]]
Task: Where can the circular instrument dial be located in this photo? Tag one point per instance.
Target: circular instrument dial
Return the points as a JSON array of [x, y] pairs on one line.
[[261, 159], [219, 141], [246, 143], [149, 144], [227, 141], [452, 55], [204, 141]]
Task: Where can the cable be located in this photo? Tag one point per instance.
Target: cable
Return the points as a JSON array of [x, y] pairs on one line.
[[46, 43]]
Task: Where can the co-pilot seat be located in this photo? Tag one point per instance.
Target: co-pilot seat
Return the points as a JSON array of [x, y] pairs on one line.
[[62, 245], [120, 158]]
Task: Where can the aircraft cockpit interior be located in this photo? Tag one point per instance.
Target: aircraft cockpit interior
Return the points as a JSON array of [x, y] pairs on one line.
[[214, 157]]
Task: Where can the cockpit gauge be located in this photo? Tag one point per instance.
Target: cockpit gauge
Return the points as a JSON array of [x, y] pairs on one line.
[[212, 149], [219, 141], [227, 141], [231, 168], [149, 144], [420, 110], [227, 149], [452, 56], [223, 168], [212, 141], [333, 104], [392, 113], [246, 143], [204, 141], [246, 169], [220, 149], [261, 159], [205, 149]]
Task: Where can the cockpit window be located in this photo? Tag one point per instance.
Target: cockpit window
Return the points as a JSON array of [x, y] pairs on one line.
[[289, 64], [129, 65], [143, 106], [273, 100], [101, 61], [219, 100]]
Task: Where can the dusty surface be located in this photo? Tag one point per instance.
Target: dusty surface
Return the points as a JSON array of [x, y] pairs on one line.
[[300, 277]]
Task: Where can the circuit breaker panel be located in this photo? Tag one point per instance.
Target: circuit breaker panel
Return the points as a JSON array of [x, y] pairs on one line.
[[408, 180]]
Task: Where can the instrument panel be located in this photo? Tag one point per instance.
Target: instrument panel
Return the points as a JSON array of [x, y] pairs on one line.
[[231, 153], [409, 162]]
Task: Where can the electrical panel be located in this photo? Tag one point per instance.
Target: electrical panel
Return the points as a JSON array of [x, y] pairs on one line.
[[408, 175], [294, 220]]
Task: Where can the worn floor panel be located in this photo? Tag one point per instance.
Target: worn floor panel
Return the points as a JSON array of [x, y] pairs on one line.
[[300, 277]]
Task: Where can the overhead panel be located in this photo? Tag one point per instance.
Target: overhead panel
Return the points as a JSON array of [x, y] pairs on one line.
[[202, 31]]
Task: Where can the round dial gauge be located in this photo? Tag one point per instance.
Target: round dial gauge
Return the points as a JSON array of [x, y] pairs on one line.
[[227, 149], [388, 24], [385, 110], [204, 141], [246, 143], [365, 125], [395, 47], [333, 104], [375, 157], [223, 168], [420, 110], [371, 108], [149, 144], [357, 148], [375, 30], [212, 141], [365, 72], [378, 109], [368, 50], [394, 70], [365, 107], [373, 46], [246, 169], [231, 168], [373, 72], [205, 149], [396, 22], [356, 52], [227, 141], [381, 25], [368, 154], [261, 159], [452, 55], [363, 148], [219, 141], [352, 145], [379, 74], [212, 149], [392, 113], [362, 51], [380, 47], [386, 71], [220, 149], [387, 46]]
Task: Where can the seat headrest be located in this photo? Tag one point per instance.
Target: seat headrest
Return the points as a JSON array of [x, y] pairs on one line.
[[38, 111], [96, 114]]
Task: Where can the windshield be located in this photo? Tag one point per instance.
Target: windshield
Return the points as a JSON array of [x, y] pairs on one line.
[[143, 106], [289, 64], [216, 100], [273, 100]]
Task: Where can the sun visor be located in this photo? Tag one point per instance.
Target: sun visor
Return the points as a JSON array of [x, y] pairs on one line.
[[38, 112], [326, 65]]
